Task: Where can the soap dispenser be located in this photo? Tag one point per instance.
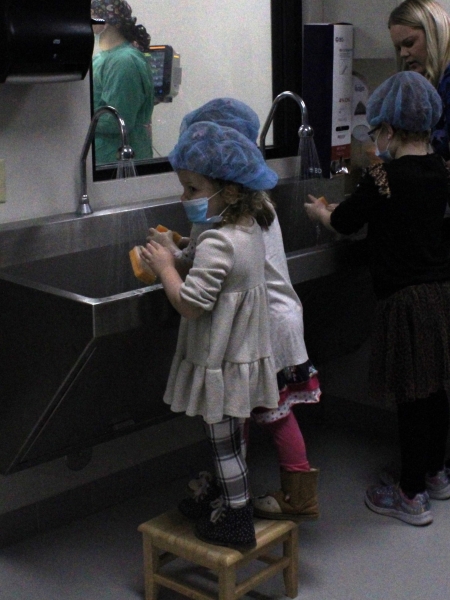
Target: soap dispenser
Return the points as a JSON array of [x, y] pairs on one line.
[[45, 40]]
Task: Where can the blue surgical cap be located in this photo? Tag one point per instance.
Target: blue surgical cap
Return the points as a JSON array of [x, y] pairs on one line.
[[226, 111], [222, 153], [405, 101]]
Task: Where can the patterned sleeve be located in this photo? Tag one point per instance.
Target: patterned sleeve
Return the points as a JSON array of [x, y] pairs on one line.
[[353, 213], [214, 258]]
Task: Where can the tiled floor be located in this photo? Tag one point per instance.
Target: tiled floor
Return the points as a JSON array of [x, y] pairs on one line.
[[350, 553]]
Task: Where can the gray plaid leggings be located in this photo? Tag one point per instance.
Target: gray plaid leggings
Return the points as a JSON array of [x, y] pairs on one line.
[[228, 447]]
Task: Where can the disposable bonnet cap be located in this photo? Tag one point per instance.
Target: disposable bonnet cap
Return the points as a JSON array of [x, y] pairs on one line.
[[405, 101], [226, 111], [115, 12], [222, 153]]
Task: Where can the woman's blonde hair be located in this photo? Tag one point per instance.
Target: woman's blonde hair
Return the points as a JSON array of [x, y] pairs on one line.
[[243, 202], [434, 21]]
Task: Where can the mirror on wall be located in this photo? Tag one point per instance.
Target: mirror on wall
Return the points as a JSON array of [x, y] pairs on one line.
[[247, 50]]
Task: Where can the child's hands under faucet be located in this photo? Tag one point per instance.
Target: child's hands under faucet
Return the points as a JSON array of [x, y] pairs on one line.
[[165, 238], [318, 211], [157, 257], [162, 263]]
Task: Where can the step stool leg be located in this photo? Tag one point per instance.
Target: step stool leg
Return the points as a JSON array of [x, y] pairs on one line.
[[290, 573], [227, 583], [151, 566]]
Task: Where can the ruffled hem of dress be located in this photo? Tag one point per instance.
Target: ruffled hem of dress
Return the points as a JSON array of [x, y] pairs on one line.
[[233, 390]]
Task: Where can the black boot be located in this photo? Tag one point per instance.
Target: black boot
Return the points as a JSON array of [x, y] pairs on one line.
[[226, 526], [205, 490]]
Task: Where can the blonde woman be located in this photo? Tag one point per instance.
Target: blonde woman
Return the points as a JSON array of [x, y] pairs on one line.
[[420, 32]]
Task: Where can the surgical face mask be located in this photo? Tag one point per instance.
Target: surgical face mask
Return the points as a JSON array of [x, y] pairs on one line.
[[96, 44], [97, 37], [197, 209], [385, 155]]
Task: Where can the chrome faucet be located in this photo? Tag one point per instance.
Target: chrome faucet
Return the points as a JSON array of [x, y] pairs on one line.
[[124, 153], [305, 129]]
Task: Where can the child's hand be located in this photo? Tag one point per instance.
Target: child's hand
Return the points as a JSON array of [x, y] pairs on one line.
[[157, 257], [315, 208], [317, 211], [165, 238]]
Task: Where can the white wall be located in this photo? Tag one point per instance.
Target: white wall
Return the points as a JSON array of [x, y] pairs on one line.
[[41, 135], [313, 11]]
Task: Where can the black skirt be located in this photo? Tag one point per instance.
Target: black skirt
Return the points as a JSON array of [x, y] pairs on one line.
[[411, 343]]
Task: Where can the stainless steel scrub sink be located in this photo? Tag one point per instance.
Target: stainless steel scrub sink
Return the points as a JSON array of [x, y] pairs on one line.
[[85, 347]]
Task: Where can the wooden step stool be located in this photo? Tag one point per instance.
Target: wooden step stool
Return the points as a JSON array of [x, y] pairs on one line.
[[170, 536]]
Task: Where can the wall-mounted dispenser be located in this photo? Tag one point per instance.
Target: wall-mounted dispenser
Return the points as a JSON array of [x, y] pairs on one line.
[[45, 40], [327, 91]]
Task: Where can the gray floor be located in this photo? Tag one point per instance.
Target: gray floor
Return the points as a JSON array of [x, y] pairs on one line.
[[350, 553]]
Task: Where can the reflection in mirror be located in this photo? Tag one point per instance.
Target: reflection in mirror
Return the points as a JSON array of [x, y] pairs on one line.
[[224, 49], [249, 50], [122, 78]]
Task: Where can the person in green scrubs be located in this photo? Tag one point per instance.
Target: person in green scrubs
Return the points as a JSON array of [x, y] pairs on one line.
[[122, 78]]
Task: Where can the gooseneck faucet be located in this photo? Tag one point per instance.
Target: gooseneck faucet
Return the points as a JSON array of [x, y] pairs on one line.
[[305, 129], [125, 152]]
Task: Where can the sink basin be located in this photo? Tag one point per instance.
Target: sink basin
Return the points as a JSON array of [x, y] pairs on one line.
[[85, 260]]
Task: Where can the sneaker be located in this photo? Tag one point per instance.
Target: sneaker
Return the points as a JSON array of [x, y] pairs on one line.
[[204, 490], [389, 500], [438, 486], [226, 526]]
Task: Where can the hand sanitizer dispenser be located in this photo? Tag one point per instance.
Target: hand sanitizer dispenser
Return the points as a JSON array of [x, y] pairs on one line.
[[45, 41], [327, 91]]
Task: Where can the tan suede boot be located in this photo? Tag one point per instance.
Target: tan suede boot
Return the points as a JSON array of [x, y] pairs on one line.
[[296, 500]]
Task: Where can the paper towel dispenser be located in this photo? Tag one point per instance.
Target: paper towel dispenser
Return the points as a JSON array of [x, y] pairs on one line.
[[45, 40]]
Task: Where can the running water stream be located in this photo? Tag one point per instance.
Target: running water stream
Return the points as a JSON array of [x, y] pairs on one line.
[[309, 176], [129, 229]]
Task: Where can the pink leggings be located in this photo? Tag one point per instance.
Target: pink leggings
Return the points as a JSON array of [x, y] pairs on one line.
[[289, 443]]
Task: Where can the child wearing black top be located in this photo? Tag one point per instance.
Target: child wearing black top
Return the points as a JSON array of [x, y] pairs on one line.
[[403, 201]]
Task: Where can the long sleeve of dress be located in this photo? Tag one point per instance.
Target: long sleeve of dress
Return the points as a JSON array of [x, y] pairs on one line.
[[213, 261]]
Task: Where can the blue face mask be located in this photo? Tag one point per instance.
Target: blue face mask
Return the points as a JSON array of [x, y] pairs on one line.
[[197, 209], [385, 155]]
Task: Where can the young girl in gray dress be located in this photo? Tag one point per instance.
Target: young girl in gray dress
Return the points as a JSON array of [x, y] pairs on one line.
[[223, 366], [296, 376]]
